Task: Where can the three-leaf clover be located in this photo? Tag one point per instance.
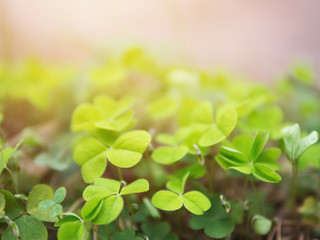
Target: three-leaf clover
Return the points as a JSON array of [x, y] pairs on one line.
[[104, 199], [246, 155], [174, 151], [54, 205], [194, 201], [125, 152], [216, 222], [294, 145]]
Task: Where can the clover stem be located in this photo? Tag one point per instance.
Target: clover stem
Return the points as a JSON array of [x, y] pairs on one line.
[[15, 184], [257, 196], [179, 221], [123, 215], [130, 212], [244, 194], [210, 176], [120, 174], [293, 189], [96, 233]]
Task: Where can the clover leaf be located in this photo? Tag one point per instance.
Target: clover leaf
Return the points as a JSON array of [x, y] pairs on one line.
[[158, 231], [104, 199], [29, 228], [194, 201], [54, 205], [40, 193], [6, 154], [162, 107], [310, 157], [13, 207], [75, 231], [294, 145], [125, 152], [261, 224], [246, 155], [216, 222], [128, 148], [225, 123], [105, 113]]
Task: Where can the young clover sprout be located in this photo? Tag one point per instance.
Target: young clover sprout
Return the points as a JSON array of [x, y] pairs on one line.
[[295, 146]]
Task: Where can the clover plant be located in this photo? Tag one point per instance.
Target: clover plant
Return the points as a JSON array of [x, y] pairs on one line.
[[294, 147], [194, 201], [134, 127]]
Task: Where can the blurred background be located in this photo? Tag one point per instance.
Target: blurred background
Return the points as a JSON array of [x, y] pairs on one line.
[[260, 39]]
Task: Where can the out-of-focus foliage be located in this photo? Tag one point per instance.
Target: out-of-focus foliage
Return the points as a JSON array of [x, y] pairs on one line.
[[110, 137]]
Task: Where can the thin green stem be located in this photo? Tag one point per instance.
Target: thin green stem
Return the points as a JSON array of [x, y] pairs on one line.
[[15, 183], [130, 211], [244, 196], [293, 189], [209, 175], [120, 174], [257, 196]]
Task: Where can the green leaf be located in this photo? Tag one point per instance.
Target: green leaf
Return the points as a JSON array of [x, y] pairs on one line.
[[216, 222], [151, 209], [162, 107], [196, 202], [226, 122], [110, 108], [30, 228], [117, 124], [258, 145], [45, 204], [310, 157], [156, 231], [261, 225], [166, 200], [6, 154], [269, 157], [177, 185], [128, 148], [56, 211], [252, 160], [105, 211], [265, 173], [14, 207], [169, 155], [91, 155], [138, 186], [91, 208], [67, 219], [101, 188], [72, 231], [60, 195], [294, 145], [84, 117]]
